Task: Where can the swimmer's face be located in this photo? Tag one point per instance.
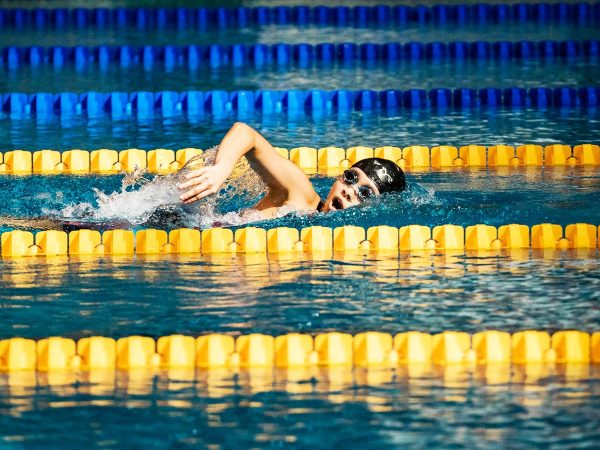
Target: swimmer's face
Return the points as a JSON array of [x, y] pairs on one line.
[[350, 189]]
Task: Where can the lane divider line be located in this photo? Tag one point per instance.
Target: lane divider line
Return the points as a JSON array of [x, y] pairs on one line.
[[310, 242], [316, 103], [325, 160], [282, 54], [580, 13], [370, 349]]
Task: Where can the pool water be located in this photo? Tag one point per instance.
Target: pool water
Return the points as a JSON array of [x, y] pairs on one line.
[[410, 406], [311, 34], [424, 74], [350, 292]]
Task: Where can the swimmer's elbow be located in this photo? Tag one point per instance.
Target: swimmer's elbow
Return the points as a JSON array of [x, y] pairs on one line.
[[243, 134], [243, 128], [238, 126]]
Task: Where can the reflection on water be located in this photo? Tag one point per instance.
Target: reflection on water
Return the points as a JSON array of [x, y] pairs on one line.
[[227, 293], [273, 34], [533, 406], [354, 75]]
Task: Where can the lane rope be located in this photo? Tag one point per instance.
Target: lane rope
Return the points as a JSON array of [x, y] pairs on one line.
[[308, 243], [580, 13], [325, 160], [282, 54], [294, 350], [315, 103]]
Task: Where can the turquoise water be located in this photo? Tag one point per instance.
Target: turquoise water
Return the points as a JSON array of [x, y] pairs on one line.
[[155, 296]]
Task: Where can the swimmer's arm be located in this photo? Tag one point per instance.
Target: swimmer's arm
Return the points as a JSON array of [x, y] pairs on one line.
[[284, 179]]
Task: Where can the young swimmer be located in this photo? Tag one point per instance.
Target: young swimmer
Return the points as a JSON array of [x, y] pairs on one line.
[[287, 184]]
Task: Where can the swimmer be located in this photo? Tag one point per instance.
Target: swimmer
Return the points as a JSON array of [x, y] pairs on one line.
[[287, 184]]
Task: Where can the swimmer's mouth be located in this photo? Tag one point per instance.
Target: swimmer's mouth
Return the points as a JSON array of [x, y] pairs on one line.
[[336, 204]]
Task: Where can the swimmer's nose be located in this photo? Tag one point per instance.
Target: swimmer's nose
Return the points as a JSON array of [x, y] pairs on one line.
[[349, 193]]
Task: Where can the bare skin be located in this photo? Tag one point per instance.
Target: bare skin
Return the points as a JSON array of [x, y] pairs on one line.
[[288, 185]]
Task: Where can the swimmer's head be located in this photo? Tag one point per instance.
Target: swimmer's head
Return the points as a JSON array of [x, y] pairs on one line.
[[366, 179]]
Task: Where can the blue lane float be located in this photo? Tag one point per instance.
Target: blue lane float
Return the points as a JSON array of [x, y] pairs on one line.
[[315, 102], [237, 55], [339, 16]]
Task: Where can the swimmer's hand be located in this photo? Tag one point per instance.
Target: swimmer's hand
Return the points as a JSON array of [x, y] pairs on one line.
[[203, 182]]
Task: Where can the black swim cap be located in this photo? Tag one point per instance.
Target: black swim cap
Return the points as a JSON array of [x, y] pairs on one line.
[[386, 174]]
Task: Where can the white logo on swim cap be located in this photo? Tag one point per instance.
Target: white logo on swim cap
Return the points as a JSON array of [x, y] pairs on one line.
[[382, 173]]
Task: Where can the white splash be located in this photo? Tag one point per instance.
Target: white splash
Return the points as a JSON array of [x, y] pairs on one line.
[[421, 195], [136, 206], [141, 196]]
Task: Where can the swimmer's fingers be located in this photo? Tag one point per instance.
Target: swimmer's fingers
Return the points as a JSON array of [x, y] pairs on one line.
[[203, 182], [196, 198], [194, 178], [191, 183], [202, 190], [195, 173]]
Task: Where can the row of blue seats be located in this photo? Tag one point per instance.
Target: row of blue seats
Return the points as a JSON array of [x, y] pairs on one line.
[[258, 54], [379, 15], [218, 102]]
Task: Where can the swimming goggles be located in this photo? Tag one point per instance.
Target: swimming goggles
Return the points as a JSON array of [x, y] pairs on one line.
[[350, 177]]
